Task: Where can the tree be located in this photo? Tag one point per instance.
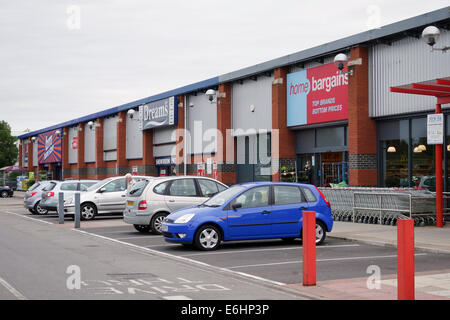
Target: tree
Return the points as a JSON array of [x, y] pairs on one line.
[[8, 150]]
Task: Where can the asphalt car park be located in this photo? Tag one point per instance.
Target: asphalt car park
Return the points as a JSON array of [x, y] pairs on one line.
[[274, 260]]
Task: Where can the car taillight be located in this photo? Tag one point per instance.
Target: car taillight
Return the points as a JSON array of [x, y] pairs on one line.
[[323, 197], [142, 205], [32, 194], [50, 194]]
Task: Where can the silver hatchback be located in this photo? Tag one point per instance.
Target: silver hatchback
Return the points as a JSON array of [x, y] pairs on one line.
[[68, 188], [149, 202], [105, 197], [33, 196]]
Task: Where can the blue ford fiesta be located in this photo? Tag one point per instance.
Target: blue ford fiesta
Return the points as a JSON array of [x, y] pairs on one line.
[[258, 210]]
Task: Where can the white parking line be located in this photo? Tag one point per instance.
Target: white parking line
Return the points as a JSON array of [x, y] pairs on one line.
[[164, 254], [162, 245], [267, 249], [318, 260], [29, 218], [135, 237], [11, 289]]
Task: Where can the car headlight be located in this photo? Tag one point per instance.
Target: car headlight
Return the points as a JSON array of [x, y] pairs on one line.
[[185, 219]]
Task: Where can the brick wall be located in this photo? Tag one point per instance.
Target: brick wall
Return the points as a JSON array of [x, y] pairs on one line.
[[284, 140], [362, 133]]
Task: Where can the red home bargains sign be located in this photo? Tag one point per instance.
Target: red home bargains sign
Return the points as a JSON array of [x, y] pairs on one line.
[[315, 95]]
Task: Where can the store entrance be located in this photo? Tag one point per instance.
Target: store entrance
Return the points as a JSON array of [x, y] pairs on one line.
[[322, 169], [334, 169], [164, 171]]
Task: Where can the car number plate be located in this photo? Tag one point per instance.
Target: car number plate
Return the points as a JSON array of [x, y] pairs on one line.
[[164, 228], [130, 203]]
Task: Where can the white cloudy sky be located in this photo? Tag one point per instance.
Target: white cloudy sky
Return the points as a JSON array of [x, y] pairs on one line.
[[53, 69]]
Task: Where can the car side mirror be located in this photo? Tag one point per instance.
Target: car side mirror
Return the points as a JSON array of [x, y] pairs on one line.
[[102, 190], [236, 206]]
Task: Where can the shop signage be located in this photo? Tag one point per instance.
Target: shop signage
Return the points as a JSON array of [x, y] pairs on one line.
[[435, 128], [215, 173], [201, 169], [165, 161], [209, 166], [49, 147], [316, 95], [158, 114], [75, 143]]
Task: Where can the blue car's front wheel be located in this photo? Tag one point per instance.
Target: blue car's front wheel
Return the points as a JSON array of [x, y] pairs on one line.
[[207, 238]]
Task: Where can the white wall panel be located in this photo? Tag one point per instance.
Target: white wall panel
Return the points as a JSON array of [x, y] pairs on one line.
[[73, 153], [251, 92], [110, 138], [134, 138], [90, 143], [202, 124], [403, 62]]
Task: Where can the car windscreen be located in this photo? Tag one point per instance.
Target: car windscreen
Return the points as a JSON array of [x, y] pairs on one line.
[[50, 186], [98, 184], [138, 188], [223, 197], [86, 184], [34, 186]]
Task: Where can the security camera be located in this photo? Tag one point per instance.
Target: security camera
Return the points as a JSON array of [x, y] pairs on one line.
[[131, 113], [90, 124], [430, 35], [58, 133], [339, 61], [210, 93], [191, 104], [33, 139]]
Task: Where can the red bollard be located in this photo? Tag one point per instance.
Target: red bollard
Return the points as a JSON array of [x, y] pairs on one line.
[[309, 248], [405, 259]]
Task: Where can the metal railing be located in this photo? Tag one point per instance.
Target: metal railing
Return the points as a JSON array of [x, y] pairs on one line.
[[387, 205], [383, 205]]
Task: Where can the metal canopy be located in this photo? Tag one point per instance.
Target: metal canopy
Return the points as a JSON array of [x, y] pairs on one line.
[[439, 88]]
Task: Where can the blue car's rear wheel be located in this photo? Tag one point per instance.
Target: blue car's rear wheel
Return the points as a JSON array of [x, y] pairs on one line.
[[321, 232], [207, 238]]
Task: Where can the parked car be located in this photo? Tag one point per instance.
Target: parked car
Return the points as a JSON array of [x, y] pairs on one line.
[[149, 202], [105, 197], [33, 196], [6, 192], [250, 211], [68, 188]]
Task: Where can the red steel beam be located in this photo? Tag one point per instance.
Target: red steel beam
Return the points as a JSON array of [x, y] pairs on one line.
[[417, 91], [443, 82], [428, 87]]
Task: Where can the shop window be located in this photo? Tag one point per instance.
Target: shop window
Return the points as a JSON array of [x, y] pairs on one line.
[[422, 156], [394, 137]]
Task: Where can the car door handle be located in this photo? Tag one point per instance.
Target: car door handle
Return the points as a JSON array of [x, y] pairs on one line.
[[123, 196], [171, 200], [265, 212], [302, 208]]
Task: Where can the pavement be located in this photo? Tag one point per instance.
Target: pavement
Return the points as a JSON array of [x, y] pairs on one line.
[[428, 285], [427, 239]]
